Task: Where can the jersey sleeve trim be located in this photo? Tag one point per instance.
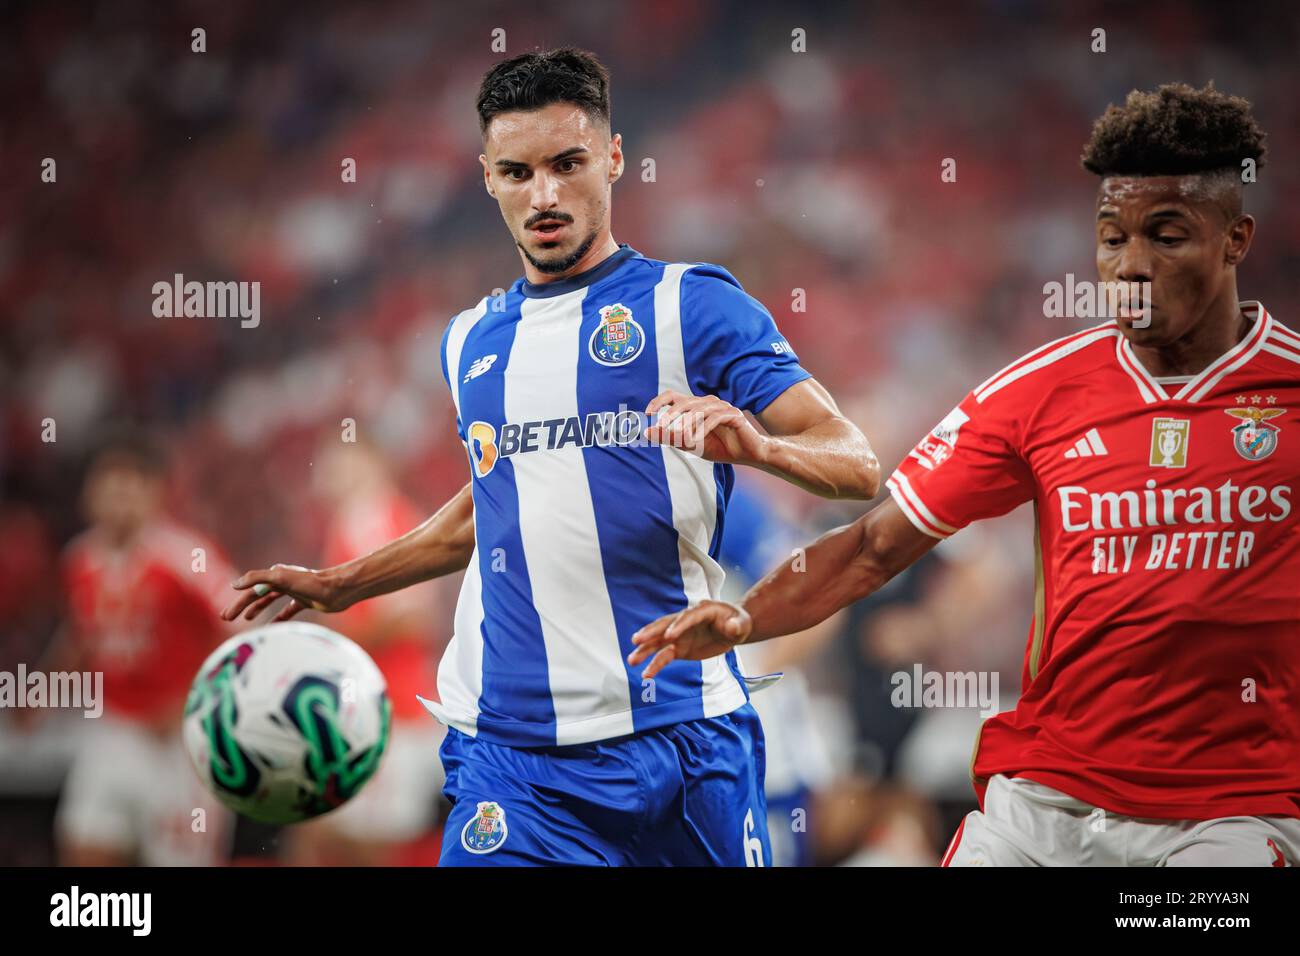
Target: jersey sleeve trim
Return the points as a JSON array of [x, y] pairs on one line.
[[911, 505], [1046, 356]]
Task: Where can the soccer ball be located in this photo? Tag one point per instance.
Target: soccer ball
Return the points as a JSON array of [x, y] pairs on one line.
[[287, 721]]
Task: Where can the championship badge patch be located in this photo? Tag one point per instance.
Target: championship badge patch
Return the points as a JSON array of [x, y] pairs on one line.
[[618, 339], [486, 830], [1169, 442], [1254, 438]]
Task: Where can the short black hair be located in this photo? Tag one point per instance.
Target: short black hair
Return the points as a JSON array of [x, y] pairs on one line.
[[128, 445], [531, 81], [1175, 130]]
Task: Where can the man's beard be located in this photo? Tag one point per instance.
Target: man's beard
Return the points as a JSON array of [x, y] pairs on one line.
[[556, 266]]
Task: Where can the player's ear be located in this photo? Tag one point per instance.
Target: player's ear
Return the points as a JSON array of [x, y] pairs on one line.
[[487, 176], [615, 157], [1240, 233]]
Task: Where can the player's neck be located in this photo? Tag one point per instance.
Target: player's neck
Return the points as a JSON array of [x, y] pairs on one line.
[[600, 250], [119, 540], [1222, 327]]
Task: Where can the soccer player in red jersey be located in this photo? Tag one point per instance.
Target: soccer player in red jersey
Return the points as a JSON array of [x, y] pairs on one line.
[[143, 609], [1159, 720], [383, 824]]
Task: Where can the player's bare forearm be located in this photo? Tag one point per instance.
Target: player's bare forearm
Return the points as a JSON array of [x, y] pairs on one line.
[[807, 441], [839, 568], [832, 459], [811, 444], [811, 586], [441, 545]]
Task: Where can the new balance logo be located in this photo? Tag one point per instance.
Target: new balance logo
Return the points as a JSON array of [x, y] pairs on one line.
[[478, 367], [1087, 446]]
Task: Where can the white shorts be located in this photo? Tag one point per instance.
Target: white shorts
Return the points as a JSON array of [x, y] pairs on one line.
[[1025, 823], [132, 792], [399, 803]]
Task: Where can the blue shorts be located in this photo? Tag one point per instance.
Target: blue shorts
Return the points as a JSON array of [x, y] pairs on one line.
[[689, 794]]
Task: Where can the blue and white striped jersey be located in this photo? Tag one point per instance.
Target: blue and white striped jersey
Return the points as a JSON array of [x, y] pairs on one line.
[[584, 531]]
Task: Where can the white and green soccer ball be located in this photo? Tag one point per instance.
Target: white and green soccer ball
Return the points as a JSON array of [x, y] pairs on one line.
[[287, 721]]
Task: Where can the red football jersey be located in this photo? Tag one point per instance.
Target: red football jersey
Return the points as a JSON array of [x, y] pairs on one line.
[[1162, 673], [147, 616]]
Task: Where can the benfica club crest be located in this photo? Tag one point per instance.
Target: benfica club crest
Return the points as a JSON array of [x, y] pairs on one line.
[[618, 339], [1255, 438]]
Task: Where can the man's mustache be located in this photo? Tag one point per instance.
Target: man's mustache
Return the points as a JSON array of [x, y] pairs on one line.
[[548, 217]]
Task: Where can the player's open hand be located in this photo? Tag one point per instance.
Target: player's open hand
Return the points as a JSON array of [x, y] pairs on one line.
[[706, 426], [304, 587], [698, 633]]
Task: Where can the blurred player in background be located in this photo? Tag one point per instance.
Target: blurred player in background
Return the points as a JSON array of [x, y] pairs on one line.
[[142, 595], [1160, 718], [602, 403], [397, 807], [754, 538]]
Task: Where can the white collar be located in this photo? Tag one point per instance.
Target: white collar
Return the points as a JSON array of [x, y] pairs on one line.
[[1199, 385]]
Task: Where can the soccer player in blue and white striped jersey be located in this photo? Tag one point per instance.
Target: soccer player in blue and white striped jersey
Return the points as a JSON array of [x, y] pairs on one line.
[[602, 402]]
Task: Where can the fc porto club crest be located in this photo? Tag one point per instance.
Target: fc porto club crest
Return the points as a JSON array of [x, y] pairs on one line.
[[618, 339], [486, 830], [1254, 437]]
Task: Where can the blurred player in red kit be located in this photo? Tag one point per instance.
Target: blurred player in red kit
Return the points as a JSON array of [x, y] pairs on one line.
[[1159, 721], [142, 595], [397, 807]]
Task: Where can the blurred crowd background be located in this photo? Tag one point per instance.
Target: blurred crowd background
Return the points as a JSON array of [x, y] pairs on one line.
[[816, 171]]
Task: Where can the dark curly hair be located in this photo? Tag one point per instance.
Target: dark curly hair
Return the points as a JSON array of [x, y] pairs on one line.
[[531, 81], [1172, 131]]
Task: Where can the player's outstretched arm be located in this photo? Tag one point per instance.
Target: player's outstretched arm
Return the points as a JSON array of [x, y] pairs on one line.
[[441, 545], [840, 567], [808, 441]]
